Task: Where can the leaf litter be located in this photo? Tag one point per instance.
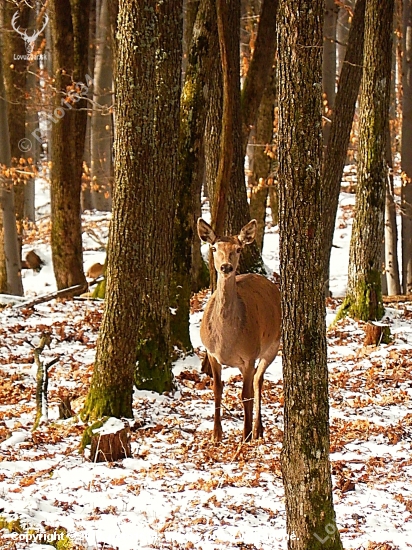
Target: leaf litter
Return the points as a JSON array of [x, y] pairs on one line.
[[180, 490]]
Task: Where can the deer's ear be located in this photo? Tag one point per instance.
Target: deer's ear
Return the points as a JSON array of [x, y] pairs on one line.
[[205, 232], [248, 232]]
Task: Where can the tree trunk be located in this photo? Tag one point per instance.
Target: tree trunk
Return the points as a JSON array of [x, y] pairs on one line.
[[228, 23], [364, 295], [261, 162], [258, 75], [68, 122], [329, 64], [14, 73], [238, 213], [190, 10], [192, 122], [10, 267], [391, 230], [136, 320], [342, 31], [310, 517], [101, 133], [406, 157], [345, 103]]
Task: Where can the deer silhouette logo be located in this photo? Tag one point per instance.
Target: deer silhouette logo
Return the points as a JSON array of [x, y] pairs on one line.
[[29, 39]]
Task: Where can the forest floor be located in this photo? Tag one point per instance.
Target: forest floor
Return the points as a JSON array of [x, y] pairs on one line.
[[180, 490]]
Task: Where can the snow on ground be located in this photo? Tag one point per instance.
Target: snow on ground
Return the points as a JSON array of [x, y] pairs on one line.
[[180, 490]]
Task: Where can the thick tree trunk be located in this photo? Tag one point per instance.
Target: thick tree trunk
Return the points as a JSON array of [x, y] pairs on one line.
[[136, 320], [406, 156], [310, 517], [68, 122], [345, 103], [364, 295]]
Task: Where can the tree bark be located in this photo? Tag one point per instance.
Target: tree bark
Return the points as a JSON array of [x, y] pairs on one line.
[[261, 162], [310, 517], [228, 23], [10, 266], [136, 320], [329, 63], [237, 208], [14, 73], [345, 104], [192, 122], [364, 294], [68, 127], [342, 31], [258, 75], [406, 157], [101, 132], [391, 230]]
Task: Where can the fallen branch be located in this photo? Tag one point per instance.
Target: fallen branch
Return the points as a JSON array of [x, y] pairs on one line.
[[42, 380], [63, 293], [397, 298]]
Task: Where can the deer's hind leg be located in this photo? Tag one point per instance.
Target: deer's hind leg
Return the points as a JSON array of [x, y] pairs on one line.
[[257, 392]]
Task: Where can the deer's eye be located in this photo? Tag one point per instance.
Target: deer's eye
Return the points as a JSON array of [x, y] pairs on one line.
[[213, 249], [238, 250]]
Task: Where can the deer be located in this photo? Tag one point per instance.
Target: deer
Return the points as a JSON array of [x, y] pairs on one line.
[[95, 271], [241, 324]]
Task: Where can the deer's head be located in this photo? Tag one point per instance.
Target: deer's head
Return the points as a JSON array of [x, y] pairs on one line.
[[226, 250]]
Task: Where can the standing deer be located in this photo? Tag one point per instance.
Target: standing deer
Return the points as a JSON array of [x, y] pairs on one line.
[[241, 324]]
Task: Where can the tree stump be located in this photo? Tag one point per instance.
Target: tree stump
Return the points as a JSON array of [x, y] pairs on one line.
[[377, 333], [110, 442]]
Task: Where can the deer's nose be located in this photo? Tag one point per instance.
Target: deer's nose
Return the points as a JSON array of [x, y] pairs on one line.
[[226, 268]]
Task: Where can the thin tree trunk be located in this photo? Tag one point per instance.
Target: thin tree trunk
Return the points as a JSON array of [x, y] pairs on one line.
[[262, 162], [342, 118], [406, 156], [192, 121], [310, 517], [228, 23], [258, 75], [10, 267], [364, 295], [101, 170], [329, 63], [342, 31], [14, 73], [391, 230]]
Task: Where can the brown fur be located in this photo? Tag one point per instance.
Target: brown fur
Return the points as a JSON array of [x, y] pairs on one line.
[[95, 271]]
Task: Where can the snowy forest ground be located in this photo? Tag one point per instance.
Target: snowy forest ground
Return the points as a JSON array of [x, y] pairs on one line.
[[180, 490]]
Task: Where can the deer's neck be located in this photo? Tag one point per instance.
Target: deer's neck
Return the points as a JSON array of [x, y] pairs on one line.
[[227, 302]]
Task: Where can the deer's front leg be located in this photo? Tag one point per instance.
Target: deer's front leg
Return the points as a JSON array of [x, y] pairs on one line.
[[247, 398], [217, 390]]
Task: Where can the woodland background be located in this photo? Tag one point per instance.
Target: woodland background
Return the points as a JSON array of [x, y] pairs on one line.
[[132, 108]]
